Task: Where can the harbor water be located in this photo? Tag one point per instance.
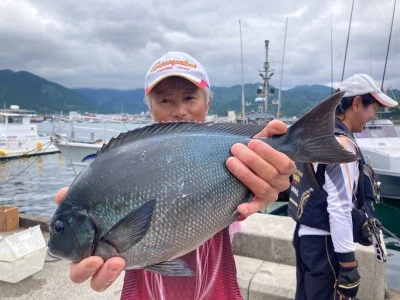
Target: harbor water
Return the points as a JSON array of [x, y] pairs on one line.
[[31, 184]]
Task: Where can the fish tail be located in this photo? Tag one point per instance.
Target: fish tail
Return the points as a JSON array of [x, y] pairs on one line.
[[312, 139]]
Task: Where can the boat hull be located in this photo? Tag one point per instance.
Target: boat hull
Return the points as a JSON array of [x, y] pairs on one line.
[[380, 146], [76, 152], [390, 184], [11, 149]]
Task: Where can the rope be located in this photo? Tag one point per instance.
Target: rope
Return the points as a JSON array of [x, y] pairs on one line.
[[390, 233], [23, 170]]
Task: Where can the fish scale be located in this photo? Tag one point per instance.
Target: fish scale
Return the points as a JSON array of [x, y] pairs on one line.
[[158, 192], [177, 231]]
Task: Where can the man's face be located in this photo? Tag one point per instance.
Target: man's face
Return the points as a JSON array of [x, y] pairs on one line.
[[364, 115], [177, 99]]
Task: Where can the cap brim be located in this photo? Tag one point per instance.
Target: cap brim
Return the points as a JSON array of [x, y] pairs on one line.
[[384, 99], [202, 84]]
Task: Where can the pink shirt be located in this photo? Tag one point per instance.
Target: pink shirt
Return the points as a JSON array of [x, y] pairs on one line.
[[215, 276]]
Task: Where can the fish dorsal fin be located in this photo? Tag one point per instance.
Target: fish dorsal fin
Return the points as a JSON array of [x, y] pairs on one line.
[[176, 127]]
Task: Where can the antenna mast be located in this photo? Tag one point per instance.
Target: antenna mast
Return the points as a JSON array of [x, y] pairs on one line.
[[331, 56], [266, 78], [241, 56], [348, 37], [283, 60], [387, 53]]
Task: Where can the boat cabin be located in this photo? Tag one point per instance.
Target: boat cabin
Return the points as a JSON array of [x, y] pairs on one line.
[[378, 129]]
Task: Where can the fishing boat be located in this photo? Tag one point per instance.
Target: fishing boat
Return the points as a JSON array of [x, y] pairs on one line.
[[263, 101], [19, 138], [263, 113], [78, 153], [380, 145], [86, 136]]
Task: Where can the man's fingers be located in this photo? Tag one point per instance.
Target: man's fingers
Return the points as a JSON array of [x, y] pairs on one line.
[[274, 127], [246, 176], [261, 167], [263, 170], [103, 274], [277, 159], [107, 274], [247, 209], [80, 272]]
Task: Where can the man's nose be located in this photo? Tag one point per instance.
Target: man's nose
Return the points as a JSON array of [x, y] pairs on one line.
[[180, 110]]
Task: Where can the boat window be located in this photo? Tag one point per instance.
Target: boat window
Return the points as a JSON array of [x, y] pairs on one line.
[[2, 119], [363, 134], [390, 131], [14, 120], [376, 131]]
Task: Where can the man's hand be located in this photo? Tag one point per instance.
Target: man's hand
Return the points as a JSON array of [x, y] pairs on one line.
[[103, 273], [264, 170], [348, 282]]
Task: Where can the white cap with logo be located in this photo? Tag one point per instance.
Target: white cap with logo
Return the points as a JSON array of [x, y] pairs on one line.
[[176, 63], [361, 84]]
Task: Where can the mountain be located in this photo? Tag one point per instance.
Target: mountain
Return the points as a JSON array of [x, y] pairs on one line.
[[109, 100], [36, 93], [294, 102], [298, 100], [225, 99]]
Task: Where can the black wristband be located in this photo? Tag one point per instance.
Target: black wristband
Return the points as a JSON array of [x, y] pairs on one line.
[[346, 257]]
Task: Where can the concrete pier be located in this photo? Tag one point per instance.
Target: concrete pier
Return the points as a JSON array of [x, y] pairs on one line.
[[263, 253], [266, 261]]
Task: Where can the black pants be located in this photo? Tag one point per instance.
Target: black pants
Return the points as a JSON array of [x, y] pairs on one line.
[[316, 267]]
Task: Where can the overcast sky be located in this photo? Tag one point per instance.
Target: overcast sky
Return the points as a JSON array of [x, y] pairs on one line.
[[111, 44]]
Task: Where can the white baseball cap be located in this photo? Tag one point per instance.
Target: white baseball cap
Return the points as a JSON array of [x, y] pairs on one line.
[[361, 84], [176, 63]]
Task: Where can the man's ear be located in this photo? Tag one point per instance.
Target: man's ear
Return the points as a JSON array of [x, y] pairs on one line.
[[209, 104], [357, 102]]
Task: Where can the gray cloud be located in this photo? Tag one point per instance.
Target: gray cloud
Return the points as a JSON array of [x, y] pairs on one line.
[[111, 44]]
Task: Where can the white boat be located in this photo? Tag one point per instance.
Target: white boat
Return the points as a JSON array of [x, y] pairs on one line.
[[81, 150], [19, 138], [76, 152], [380, 145]]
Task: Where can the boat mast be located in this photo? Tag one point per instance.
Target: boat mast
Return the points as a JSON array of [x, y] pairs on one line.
[[347, 43], [331, 56], [280, 85], [241, 56], [266, 77], [387, 52]]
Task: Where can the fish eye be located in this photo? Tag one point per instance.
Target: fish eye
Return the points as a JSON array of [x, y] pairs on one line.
[[59, 227]]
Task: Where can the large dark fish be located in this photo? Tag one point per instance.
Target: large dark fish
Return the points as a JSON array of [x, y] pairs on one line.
[[158, 192]]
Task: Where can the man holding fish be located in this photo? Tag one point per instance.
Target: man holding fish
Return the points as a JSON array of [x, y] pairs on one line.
[[177, 88]]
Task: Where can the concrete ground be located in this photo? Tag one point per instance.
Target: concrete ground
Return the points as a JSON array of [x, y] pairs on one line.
[[263, 254], [266, 269]]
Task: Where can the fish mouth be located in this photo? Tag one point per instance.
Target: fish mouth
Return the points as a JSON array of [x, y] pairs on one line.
[[51, 254]]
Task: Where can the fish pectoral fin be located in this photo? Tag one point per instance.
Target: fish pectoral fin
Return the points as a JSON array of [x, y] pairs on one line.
[[176, 267], [131, 228]]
